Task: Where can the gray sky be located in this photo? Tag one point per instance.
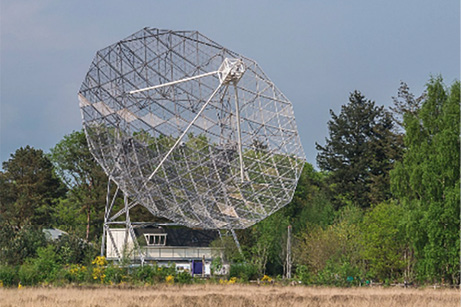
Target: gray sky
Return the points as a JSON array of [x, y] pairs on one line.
[[316, 52]]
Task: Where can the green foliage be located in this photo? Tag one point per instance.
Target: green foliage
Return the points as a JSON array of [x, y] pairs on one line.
[[29, 189], [216, 265], [359, 153], [184, 278], [303, 274], [19, 244], [77, 273], [153, 274], [87, 185], [270, 243], [72, 249], [43, 268], [8, 275], [28, 274], [334, 245], [385, 241], [145, 273], [228, 247], [46, 262], [427, 182], [115, 274], [310, 204], [244, 271], [339, 274], [69, 216]]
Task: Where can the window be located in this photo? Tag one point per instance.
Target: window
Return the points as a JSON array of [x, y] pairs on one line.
[[155, 239]]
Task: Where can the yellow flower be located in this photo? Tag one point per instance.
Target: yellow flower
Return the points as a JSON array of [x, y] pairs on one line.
[[169, 279], [100, 261], [266, 278], [232, 280]]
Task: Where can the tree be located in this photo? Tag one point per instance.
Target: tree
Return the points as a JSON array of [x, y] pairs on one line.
[[384, 241], [405, 103], [310, 203], [332, 252], [427, 181], [85, 179], [29, 189], [360, 152]]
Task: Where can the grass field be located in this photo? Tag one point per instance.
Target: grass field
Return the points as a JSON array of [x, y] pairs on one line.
[[227, 295]]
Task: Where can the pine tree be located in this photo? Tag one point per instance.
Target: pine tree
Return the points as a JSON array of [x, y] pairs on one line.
[[359, 153], [29, 189]]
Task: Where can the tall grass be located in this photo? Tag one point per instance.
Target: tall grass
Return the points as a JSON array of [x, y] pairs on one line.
[[226, 295]]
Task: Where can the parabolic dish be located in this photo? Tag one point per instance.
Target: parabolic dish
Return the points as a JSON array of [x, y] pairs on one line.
[[192, 131]]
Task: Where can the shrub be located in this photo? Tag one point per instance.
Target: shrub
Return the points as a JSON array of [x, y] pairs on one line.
[[216, 265], [339, 274], [28, 274], [18, 245], [144, 274], [244, 271], [184, 278], [46, 263], [72, 249], [153, 273], [76, 273], [8, 275], [303, 274], [115, 274]]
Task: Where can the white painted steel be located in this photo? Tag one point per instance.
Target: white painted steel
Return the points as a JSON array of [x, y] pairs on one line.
[[161, 122]]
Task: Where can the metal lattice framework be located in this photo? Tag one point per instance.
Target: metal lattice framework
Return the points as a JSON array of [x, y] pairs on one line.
[[192, 131]]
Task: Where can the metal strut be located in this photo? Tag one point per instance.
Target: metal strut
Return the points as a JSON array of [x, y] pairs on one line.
[[237, 242], [239, 133], [183, 134], [174, 82]]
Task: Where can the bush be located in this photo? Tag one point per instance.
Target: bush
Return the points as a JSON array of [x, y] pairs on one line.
[[339, 274], [72, 249], [244, 271], [162, 272], [46, 263], [28, 274], [17, 245], [184, 278], [76, 273], [153, 273], [303, 274], [115, 274], [8, 275], [42, 268], [144, 274]]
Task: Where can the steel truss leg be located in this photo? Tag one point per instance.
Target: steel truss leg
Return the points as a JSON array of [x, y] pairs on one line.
[[236, 241], [109, 220]]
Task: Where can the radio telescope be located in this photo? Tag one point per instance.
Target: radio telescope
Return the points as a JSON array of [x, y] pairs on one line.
[[190, 130]]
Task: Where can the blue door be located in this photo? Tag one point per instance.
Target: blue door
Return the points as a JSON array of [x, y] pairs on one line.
[[197, 267]]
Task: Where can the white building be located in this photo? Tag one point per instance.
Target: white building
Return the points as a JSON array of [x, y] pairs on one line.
[[189, 249]]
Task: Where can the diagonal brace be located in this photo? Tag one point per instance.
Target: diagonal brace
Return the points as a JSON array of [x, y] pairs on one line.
[[183, 134]]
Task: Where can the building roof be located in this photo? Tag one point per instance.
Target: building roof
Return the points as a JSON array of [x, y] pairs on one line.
[[54, 233]]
